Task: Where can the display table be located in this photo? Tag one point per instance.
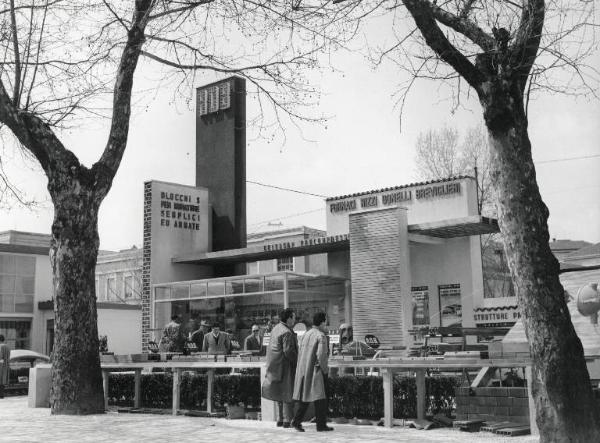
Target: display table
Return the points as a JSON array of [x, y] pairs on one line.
[[388, 366], [268, 408]]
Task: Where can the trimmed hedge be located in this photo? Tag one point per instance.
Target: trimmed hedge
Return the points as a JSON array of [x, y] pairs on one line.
[[157, 390], [362, 396], [349, 396]]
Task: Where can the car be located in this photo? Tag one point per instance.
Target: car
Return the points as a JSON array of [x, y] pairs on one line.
[[20, 361]]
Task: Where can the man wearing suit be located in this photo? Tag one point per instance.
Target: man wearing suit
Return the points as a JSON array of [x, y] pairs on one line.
[[197, 336], [216, 342], [254, 341], [4, 365], [311, 374]]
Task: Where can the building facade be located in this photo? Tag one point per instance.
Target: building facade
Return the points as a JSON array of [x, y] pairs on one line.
[[26, 307]]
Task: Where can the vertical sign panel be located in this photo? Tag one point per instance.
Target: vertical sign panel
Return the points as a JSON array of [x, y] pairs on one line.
[[420, 306], [450, 305]]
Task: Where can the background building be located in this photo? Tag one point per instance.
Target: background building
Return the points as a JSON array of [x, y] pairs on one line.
[[26, 307]]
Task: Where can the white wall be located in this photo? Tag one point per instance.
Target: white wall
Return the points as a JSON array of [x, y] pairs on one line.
[[422, 210], [447, 263], [123, 327]]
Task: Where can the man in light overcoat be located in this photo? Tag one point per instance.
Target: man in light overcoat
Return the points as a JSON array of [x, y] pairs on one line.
[[311, 374], [282, 354]]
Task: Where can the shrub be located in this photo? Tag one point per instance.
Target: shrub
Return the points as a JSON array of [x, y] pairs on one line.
[[362, 396], [157, 390], [349, 395]]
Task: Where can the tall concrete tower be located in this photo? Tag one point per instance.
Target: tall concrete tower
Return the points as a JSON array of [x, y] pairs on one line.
[[221, 159]]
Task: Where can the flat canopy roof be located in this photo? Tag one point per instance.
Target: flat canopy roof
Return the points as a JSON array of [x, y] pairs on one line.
[[458, 227], [466, 226]]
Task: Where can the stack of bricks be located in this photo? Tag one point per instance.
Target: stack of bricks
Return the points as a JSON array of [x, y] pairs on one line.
[[493, 404]]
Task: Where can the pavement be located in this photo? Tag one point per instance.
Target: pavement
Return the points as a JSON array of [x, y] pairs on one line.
[[19, 423]]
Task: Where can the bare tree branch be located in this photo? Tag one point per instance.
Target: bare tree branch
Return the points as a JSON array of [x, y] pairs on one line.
[[466, 27], [421, 11]]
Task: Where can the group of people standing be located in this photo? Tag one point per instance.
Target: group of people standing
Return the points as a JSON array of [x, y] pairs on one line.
[[206, 338], [297, 371]]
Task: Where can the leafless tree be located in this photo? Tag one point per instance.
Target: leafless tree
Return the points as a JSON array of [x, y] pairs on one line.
[[506, 52], [63, 61], [444, 153]]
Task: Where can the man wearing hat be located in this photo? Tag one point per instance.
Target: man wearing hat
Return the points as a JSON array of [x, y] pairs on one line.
[[197, 337], [254, 341]]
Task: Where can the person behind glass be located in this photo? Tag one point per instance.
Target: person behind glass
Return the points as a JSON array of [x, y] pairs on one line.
[[173, 338], [197, 337], [254, 341], [282, 354], [311, 374], [4, 365], [216, 341]]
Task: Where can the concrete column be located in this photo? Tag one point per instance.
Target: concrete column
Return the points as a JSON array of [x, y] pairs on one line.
[[176, 377], [421, 393], [388, 397], [136, 398], [210, 379], [105, 375], [286, 295]]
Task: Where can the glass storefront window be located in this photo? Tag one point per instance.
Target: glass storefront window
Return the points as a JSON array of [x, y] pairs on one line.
[[17, 283], [198, 290], [216, 287], [274, 283], [8, 264], [180, 291], [17, 333], [7, 303], [253, 284], [237, 303], [162, 293], [24, 303], [237, 314]]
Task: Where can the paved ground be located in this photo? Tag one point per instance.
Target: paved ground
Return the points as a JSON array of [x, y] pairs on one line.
[[18, 423]]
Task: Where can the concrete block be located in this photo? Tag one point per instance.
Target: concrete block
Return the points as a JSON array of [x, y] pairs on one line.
[[504, 401], [488, 392], [40, 381], [517, 392], [520, 401], [501, 410], [500, 392], [490, 401], [517, 411]]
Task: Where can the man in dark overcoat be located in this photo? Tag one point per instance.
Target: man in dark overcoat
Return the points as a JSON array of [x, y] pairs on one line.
[[311, 374], [282, 354]]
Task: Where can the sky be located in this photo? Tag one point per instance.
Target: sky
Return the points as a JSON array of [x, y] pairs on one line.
[[361, 147]]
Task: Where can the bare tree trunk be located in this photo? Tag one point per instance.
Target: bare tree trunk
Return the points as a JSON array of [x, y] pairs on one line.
[[565, 408], [76, 374]]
